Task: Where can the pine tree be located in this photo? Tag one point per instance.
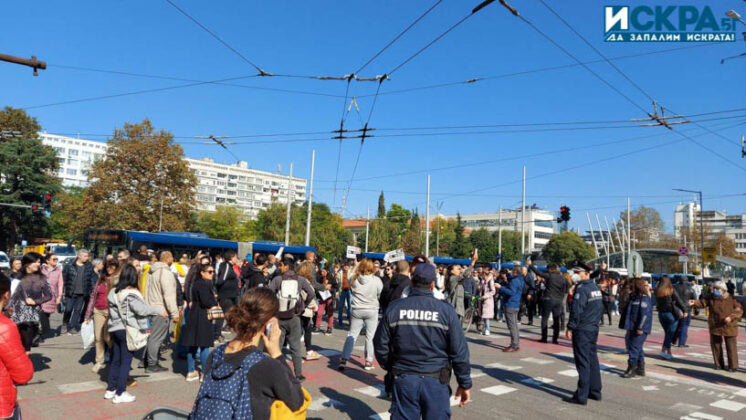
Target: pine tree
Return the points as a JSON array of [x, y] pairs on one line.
[[459, 248], [381, 207]]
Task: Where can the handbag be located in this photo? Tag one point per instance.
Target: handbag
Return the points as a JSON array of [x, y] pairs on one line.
[[216, 312], [136, 338]]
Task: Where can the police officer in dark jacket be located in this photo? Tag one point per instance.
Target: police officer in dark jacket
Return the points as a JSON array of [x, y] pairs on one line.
[[419, 342], [556, 287], [582, 328]]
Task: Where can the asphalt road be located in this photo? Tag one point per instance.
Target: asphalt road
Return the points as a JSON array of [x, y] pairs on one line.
[[526, 384]]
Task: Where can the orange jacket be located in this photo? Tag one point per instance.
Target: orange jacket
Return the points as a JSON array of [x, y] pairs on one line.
[[15, 365]]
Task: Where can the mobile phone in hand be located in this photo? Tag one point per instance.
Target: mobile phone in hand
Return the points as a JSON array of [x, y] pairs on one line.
[[268, 329]]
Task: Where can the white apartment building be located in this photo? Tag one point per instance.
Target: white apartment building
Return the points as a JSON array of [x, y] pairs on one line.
[[237, 185], [716, 223], [218, 184], [540, 224], [75, 157]]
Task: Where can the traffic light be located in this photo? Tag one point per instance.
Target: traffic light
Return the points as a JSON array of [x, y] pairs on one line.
[[565, 213], [34, 207], [47, 202]]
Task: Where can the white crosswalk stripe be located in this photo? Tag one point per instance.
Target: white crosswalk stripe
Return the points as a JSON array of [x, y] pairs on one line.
[[498, 390], [536, 360], [728, 405], [378, 391]]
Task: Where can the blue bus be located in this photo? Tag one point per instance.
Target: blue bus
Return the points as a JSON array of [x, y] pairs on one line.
[[102, 242], [437, 260]]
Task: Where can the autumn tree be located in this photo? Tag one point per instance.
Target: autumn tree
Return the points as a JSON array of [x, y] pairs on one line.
[[646, 222], [65, 223], [412, 240], [28, 171], [142, 178], [724, 245]]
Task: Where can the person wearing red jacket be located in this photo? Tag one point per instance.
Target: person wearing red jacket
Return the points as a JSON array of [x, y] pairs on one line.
[[15, 365]]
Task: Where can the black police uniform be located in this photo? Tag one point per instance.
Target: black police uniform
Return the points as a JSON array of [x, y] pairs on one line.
[[585, 315], [418, 342]]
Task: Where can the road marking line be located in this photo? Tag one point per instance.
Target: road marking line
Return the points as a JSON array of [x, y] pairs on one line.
[[650, 388], [321, 403], [380, 416], [569, 372], [702, 416], [497, 365], [685, 408], [741, 393], [728, 405], [478, 374], [536, 360], [378, 391], [538, 381], [81, 387], [498, 390]]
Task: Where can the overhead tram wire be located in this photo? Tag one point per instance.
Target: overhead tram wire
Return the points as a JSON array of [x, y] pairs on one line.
[[539, 70], [474, 11], [137, 92], [396, 38], [638, 87]]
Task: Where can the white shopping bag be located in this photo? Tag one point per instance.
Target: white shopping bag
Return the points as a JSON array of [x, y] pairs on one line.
[[87, 334]]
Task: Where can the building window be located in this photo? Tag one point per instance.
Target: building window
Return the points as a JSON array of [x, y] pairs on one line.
[[72, 162], [73, 152]]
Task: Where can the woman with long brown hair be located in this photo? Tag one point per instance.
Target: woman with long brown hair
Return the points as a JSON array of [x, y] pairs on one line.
[[366, 289], [671, 308], [98, 309]]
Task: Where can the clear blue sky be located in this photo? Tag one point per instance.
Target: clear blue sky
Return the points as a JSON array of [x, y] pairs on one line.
[[337, 37]]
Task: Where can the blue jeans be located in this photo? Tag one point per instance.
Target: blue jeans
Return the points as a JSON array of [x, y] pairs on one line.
[[682, 331], [121, 361], [669, 324], [345, 297], [195, 352], [74, 311], [417, 397]]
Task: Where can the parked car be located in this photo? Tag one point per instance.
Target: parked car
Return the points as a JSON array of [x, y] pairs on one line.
[[4, 263]]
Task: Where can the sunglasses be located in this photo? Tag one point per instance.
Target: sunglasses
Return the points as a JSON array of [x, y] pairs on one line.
[[209, 271], [53, 259]]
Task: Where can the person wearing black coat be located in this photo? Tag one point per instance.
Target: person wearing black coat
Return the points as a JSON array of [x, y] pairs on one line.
[[227, 287], [197, 332], [671, 308], [399, 281], [686, 292], [79, 279], [252, 273]]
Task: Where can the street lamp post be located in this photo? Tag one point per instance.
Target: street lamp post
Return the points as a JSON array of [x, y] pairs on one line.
[[701, 230]]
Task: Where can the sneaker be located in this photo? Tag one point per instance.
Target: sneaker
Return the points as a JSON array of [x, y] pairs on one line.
[[329, 331], [312, 355], [155, 369], [192, 376], [486, 332], [96, 367], [316, 330], [300, 378], [110, 394], [125, 397], [368, 365]]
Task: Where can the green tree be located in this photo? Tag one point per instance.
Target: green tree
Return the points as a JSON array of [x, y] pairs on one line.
[[460, 247], [511, 245], [64, 223], [442, 234], [486, 243], [142, 177], [381, 207], [225, 222], [383, 236], [567, 247], [646, 222], [28, 171], [412, 241]]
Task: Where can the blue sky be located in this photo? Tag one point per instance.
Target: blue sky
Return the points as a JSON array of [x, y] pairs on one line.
[[337, 37]]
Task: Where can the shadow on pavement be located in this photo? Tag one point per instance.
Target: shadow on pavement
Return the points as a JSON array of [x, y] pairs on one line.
[[514, 377], [39, 361], [349, 405]]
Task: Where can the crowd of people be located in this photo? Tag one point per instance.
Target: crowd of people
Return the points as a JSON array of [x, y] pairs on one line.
[[144, 304]]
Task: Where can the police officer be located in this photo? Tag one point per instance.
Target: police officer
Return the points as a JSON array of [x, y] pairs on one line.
[[582, 328], [419, 342]]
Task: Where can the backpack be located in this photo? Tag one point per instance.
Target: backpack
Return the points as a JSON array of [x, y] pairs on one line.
[[225, 392], [288, 293]]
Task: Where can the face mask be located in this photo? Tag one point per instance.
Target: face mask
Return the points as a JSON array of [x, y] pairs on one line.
[[716, 292]]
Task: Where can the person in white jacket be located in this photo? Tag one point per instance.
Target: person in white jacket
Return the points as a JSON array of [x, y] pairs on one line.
[[366, 289]]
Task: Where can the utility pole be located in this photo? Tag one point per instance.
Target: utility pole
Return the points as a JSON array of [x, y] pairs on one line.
[[427, 220], [290, 204], [32, 62], [523, 218], [160, 220], [367, 229], [593, 235], [310, 201], [684, 268], [629, 232], [437, 232], [500, 236]]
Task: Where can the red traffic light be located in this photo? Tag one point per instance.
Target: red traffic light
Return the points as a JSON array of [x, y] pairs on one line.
[[34, 207], [563, 208], [48, 197]]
